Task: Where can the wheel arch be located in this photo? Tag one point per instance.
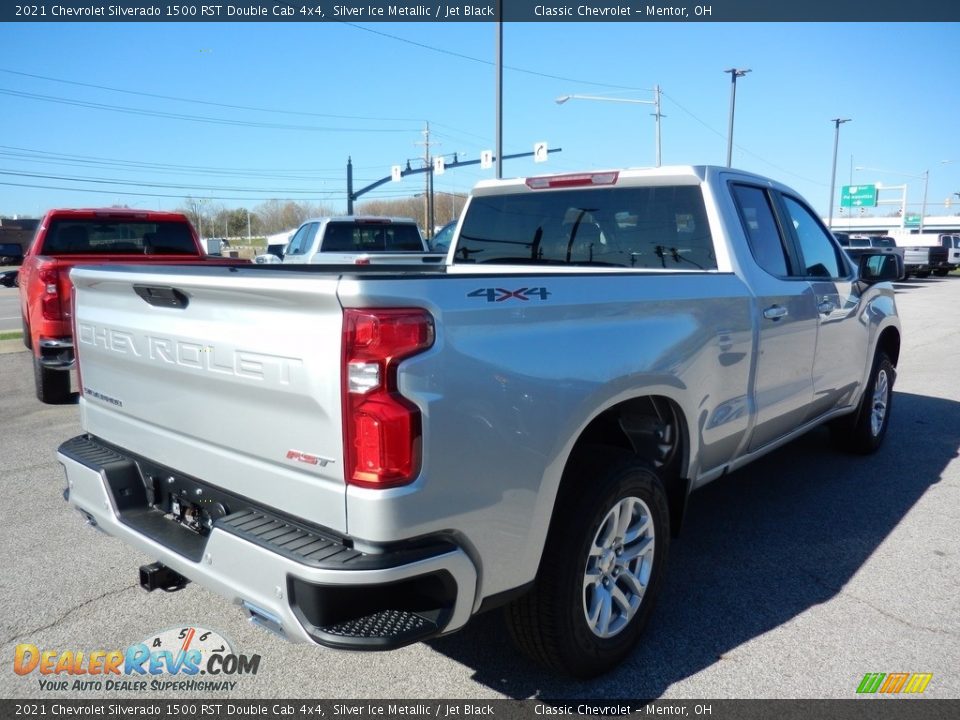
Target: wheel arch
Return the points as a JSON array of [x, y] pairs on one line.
[[889, 343], [638, 425]]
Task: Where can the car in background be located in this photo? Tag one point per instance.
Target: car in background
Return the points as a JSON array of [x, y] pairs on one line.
[[441, 240], [10, 278], [359, 240], [11, 254], [857, 245], [951, 243], [67, 238], [925, 253]]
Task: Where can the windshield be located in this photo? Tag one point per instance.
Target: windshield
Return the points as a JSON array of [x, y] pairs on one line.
[[639, 227], [112, 236], [441, 241]]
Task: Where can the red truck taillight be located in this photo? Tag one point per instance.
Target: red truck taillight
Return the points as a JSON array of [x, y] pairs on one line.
[[50, 294], [381, 428]]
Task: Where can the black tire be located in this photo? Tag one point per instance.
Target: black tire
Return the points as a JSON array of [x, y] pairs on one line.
[[53, 386], [863, 431], [941, 272], [550, 624]]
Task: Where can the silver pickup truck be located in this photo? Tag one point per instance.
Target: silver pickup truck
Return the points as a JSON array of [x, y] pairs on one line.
[[359, 240], [367, 457]]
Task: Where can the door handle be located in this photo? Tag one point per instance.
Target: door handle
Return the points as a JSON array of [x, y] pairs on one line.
[[826, 306], [775, 312]]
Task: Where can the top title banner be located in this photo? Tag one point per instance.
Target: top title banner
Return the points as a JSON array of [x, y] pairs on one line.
[[507, 11]]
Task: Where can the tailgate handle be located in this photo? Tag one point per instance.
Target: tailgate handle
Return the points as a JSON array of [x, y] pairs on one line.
[[162, 296]]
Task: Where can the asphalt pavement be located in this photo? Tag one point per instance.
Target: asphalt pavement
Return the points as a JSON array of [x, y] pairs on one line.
[[792, 579]]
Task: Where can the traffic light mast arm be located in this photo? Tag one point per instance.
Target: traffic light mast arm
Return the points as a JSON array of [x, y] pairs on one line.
[[352, 195]]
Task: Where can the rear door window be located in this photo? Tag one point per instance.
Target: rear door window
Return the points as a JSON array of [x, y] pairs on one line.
[[762, 231]]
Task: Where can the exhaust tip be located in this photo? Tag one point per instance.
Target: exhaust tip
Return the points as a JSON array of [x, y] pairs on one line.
[[263, 619]]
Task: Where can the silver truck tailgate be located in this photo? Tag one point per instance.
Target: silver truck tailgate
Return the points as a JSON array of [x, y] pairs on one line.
[[233, 379]]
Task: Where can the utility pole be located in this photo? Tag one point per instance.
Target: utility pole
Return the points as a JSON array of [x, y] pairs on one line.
[[837, 122], [657, 115], [498, 104], [427, 181]]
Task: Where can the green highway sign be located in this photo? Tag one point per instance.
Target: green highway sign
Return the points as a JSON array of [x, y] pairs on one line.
[[911, 221], [858, 196]]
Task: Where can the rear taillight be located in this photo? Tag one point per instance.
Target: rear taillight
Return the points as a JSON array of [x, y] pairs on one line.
[[381, 428], [50, 304]]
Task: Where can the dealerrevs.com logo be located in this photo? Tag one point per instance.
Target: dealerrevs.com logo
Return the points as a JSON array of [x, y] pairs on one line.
[[894, 683], [176, 659]]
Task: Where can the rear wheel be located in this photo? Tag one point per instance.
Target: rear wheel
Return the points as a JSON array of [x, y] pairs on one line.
[[53, 386], [863, 431], [941, 272], [601, 570]]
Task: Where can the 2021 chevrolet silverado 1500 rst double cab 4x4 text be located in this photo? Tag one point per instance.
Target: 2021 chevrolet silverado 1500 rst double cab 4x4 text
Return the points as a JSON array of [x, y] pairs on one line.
[[68, 238], [367, 457]]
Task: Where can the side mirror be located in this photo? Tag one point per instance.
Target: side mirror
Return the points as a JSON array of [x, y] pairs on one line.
[[880, 267]]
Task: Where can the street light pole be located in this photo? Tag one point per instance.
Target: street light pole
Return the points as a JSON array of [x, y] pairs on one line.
[[923, 207], [734, 74], [837, 122], [656, 112]]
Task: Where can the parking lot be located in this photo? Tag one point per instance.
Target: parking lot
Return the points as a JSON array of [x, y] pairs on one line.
[[9, 309], [792, 579]]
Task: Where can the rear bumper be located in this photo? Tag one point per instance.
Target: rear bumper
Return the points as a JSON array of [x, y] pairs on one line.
[[56, 353], [302, 581]]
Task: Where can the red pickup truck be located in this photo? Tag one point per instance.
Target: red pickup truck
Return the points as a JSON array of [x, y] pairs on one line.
[[67, 238]]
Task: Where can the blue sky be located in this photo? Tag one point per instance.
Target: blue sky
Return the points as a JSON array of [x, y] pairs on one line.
[[897, 82]]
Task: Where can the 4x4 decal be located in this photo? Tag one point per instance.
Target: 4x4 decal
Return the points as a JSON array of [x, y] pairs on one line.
[[502, 294]]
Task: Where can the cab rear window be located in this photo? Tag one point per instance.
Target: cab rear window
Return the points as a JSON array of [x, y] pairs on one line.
[[634, 227], [97, 236], [361, 237]]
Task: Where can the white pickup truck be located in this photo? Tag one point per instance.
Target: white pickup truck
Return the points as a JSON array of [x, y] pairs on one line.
[[365, 457], [359, 240]]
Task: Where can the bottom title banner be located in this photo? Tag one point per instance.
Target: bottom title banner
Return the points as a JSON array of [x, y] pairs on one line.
[[860, 709]]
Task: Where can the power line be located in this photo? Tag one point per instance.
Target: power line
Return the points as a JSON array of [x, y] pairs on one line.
[[193, 118], [487, 62], [205, 102], [133, 183], [138, 164], [133, 167], [740, 147], [328, 196]]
